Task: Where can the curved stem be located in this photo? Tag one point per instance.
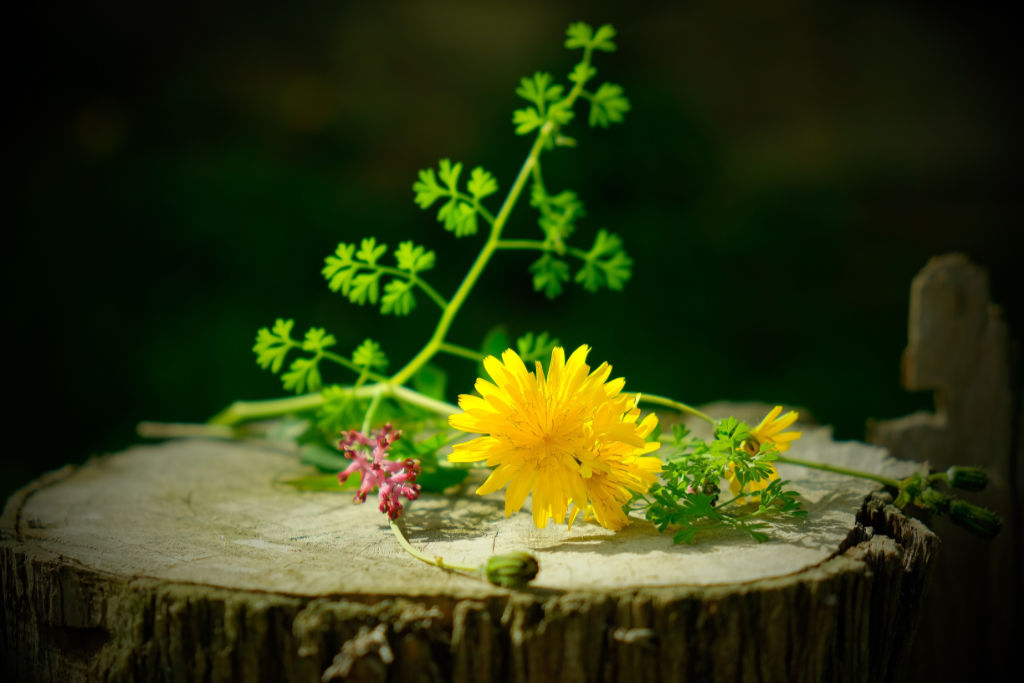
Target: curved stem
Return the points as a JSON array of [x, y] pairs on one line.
[[461, 351], [435, 561], [677, 405], [839, 470]]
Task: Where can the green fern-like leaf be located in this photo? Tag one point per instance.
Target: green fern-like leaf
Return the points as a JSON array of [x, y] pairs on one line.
[[548, 275], [303, 373], [369, 355], [398, 298], [608, 105], [273, 345], [413, 258], [606, 264]]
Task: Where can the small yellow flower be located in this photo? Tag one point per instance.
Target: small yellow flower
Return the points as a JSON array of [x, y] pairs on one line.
[[771, 430], [569, 438]]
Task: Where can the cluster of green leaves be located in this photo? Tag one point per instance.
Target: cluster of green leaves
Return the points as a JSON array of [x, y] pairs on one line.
[[606, 264], [460, 210], [357, 274], [274, 344], [552, 103], [558, 215], [688, 499]]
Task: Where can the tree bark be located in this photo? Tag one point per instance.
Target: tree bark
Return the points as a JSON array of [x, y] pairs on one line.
[[189, 562]]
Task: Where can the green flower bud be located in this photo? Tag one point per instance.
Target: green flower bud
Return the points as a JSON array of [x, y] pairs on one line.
[[967, 478], [936, 501], [910, 489], [512, 570], [983, 522]]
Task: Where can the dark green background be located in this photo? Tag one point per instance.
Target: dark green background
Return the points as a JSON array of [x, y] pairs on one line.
[[178, 172]]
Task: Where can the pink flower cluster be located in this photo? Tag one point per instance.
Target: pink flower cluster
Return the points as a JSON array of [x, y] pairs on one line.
[[391, 478]]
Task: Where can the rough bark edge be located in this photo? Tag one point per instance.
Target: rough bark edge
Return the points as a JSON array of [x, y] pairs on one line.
[[849, 619], [10, 521]]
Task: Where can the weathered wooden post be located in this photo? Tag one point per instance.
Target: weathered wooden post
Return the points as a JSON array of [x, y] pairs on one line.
[[958, 347]]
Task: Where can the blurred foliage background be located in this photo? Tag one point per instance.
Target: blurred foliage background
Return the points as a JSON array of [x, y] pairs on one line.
[[178, 172]]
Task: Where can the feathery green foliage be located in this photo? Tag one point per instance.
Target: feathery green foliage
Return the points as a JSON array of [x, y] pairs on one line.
[[688, 499]]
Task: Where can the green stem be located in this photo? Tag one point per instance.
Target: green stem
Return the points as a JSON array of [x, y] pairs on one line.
[[345, 362], [435, 561], [244, 411], [413, 278], [476, 205], [839, 470], [497, 225], [542, 246], [732, 500], [677, 405], [461, 351], [430, 291], [445, 323], [538, 178], [417, 399], [371, 410]]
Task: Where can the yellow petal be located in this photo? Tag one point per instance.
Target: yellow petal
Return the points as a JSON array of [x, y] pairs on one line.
[[767, 418], [501, 476], [473, 451], [518, 489], [514, 363]]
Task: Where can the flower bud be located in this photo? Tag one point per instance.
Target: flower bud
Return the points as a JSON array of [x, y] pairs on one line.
[[967, 478], [983, 522], [936, 501], [512, 570]]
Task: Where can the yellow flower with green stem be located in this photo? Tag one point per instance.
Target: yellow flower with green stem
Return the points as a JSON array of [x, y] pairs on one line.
[[771, 431], [570, 437]]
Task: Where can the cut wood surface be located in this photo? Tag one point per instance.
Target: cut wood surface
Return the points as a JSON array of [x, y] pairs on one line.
[[191, 560]]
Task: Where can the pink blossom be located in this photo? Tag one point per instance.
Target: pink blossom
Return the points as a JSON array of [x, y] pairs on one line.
[[390, 477]]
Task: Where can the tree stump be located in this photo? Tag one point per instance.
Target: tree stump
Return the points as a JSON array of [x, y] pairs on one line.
[[190, 561]]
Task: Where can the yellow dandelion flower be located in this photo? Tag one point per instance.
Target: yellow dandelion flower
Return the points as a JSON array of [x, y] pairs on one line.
[[570, 437], [771, 430]]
